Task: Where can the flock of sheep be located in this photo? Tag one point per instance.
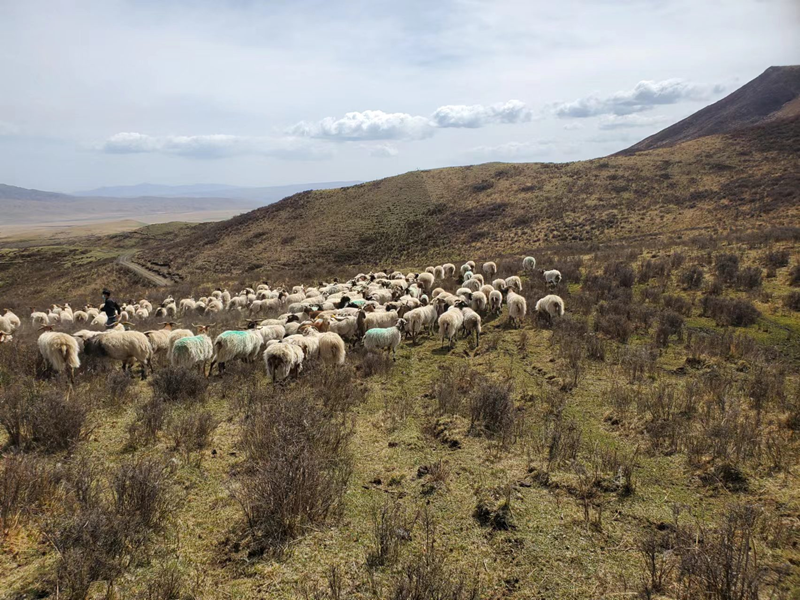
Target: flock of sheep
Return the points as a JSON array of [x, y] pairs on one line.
[[288, 329]]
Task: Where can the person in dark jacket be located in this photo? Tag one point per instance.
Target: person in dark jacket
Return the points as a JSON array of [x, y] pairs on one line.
[[111, 308]]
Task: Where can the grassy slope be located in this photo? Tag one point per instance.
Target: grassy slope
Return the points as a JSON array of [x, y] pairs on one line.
[[552, 553]]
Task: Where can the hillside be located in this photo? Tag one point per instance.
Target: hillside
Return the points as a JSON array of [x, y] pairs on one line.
[[774, 94], [744, 178]]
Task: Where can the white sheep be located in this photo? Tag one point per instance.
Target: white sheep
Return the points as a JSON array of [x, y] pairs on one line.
[[418, 319], [376, 320], [60, 350], [552, 277], [438, 272], [449, 270], [125, 346], [426, 281], [450, 322], [495, 302], [528, 264], [6, 338], [331, 348], [233, 344], [282, 360], [473, 285], [499, 284], [489, 269], [479, 302], [39, 319], [472, 323], [465, 268], [514, 282], [385, 339], [9, 322], [193, 350], [517, 307], [550, 306]]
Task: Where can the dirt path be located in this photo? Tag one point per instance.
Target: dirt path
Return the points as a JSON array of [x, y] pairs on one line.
[[125, 261]]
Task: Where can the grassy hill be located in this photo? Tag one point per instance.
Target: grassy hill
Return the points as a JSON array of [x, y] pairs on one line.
[[744, 179]]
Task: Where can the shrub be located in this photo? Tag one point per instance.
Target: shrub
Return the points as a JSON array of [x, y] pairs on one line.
[[191, 432], [492, 409], [118, 383], [638, 361], [616, 327], [733, 312], [669, 324], [147, 422], [679, 304], [620, 274], [692, 278], [792, 300], [297, 467], [650, 269], [452, 387], [26, 482], [374, 363], [36, 417], [749, 278], [776, 259], [178, 384], [727, 267], [794, 275], [493, 508], [391, 527]]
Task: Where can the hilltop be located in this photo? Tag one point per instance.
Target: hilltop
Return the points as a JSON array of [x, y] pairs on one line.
[[775, 94]]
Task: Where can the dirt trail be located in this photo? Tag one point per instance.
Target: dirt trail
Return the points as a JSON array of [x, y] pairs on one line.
[[125, 261]]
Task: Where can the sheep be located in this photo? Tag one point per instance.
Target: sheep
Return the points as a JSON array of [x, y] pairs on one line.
[[450, 323], [517, 307], [6, 338], [331, 348], [495, 302], [125, 346], [12, 322], [550, 306], [418, 319], [438, 272], [282, 360], [472, 323], [309, 342], [514, 282], [489, 269], [426, 281], [499, 284], [375, 320], [39, 319], [234, 344], [344, 326], [486, 289], [479, 302], [80, 316], [467, 275], [449, 270], [272, 332], [552, 277], [464, 269], [159, 338], [385, 339], [60, 350], [100, 320], [177, 334], [430, 270], [189, 351], [528, 264], [473, 285]]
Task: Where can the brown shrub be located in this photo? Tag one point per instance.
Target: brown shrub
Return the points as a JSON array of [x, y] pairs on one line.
[[179, 384], [26, 484], [776, 259], [391, 528], [727, 267], [792, 301], [669, 324], [692, 278], [191, 432], [492, 410], [749, 278], [734, 312]]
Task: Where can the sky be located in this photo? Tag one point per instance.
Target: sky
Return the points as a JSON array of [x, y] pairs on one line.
[[256, 93]]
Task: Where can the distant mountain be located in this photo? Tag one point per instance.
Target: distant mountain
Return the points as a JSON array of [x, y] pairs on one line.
[[12, 192], [775, 94], [262, 195]]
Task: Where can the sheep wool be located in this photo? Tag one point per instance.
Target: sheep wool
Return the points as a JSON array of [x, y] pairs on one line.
[[189, 351], [282, 360], [517, 307], [552, 277], [489, 269], [233, 344], [385, 339], [528, 264], [331, 348], [551, 306], [60, 350], [495, 302], [450, 323], [514, 282]]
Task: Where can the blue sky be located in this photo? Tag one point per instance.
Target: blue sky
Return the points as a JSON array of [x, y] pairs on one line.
[[112, 92]]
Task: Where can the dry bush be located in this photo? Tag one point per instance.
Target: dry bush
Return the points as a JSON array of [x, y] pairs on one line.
[[427, 576], [451, 388], [191, 432], [652, 294], [148, 421], [669, 324], [369, 364], [103, 526], [337, 387], [117, 385], [617, 327], [726, 267], [794, 275], [296, 469], [391, 528], [620, 274], [679, 304], [493, 508], [655, 549], [692, 278], [26, 484], [41, 418], [659, 268], [734, 312], [749, 278], [638, 361], [492, 410], [595, 347], [776, 258], [179, 384], [792, 301], [570, 268], [561, 440]]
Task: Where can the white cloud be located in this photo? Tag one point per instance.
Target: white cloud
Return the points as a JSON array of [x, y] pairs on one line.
[[573, 125], [367, 125], [644, 96], [383, 151], [380, 125], [477, 115], [632, 120], [7, 128], [511, 150], [212, 146]]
